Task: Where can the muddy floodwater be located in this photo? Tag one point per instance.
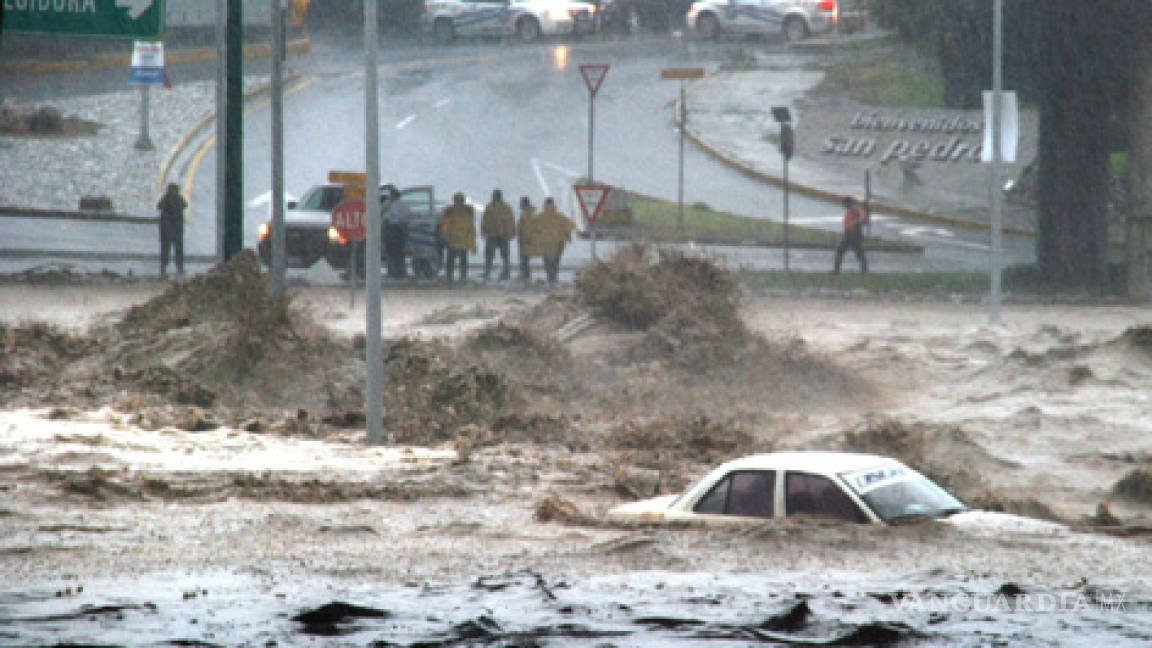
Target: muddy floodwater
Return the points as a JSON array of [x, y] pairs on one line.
[[175, 474]]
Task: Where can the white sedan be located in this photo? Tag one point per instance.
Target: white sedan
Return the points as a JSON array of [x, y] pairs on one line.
[[524, 19], [795, 19], [861, 488]]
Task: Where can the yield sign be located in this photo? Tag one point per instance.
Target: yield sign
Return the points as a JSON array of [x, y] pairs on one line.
[[593, 76], [591, 199]]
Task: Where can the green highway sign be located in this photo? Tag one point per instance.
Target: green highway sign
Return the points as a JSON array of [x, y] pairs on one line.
[[112, 18]]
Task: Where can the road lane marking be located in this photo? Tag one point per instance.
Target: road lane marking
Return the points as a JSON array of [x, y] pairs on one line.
[[442, 103], [540, 176], [194, 165], [403, 123]]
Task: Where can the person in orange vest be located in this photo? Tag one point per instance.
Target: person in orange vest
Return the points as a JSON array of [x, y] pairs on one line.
[[855, 218], [458, 229]]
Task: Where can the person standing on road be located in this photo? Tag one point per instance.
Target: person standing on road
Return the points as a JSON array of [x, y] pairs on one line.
[[553, 231], [855, 218], [397, 216], [171, 207], [498, 227], [526, 231], [458, 228]]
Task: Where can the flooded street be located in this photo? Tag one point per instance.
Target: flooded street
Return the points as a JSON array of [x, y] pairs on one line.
[[158, 492]]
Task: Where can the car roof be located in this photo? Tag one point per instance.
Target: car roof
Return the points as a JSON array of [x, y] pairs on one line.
[[815, 462]]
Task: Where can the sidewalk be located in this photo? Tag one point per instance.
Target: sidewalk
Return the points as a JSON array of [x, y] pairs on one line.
[[729, 116]]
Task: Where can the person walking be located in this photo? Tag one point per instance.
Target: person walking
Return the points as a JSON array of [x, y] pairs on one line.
[[526, 231], [498, 227], [553, 231], [854, 220], [458, 228], [171, 207], [397, 217]]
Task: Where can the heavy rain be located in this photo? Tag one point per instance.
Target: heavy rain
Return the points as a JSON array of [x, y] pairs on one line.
[[714, 323]]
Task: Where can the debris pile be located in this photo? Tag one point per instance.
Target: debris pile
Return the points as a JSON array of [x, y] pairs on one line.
[[1136, 485], [688, 306]]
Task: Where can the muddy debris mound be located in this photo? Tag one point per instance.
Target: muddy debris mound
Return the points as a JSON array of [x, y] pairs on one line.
[[432, 390], [699, 439], [687, 305], [32, 352], [220, 338], [945, 454], [1135, 486], [1139, 337]]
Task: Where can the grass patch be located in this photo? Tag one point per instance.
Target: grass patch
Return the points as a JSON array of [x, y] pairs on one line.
[[874, 282], [658, 220], [883, 83]]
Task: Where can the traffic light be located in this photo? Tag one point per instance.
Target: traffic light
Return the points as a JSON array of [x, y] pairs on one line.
[[787, 141]]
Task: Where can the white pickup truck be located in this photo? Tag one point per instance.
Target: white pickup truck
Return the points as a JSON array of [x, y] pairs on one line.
[[309, 235]]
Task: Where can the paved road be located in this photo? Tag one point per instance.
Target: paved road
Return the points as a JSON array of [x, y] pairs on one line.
[[481, 115]]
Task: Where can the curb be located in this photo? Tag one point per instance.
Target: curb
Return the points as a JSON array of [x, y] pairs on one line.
[[297, 46], [834, 196]]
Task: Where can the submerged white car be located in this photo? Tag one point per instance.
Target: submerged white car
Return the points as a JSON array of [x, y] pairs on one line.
[[861, 488], [527, 20], [795, 19]]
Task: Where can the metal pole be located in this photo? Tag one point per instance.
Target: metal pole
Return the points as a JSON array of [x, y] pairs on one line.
[[591, 122], [786, 246], [994, 180], [373, 406], [591, 130], [680, 179], [278, 238], [234, 140], [221, 121], [144, 142]]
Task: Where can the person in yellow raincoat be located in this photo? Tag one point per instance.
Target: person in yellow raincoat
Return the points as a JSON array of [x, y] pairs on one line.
[[551, 232], [525, 233], [498, 227], [458, 229]]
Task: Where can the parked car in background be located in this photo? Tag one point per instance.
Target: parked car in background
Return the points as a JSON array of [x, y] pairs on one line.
[[794, 19], [309, 235], [527, 20], [851, 487]]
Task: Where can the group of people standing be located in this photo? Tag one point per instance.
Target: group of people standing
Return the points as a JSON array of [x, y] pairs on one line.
[[543, 233]]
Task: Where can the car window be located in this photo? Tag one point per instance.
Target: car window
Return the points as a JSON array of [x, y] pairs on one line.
[[747, 493], [323, 198], [807, 494]]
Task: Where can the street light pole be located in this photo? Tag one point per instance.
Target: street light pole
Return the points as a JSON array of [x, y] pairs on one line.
[[278, 235], [997, 157], [374, 396]]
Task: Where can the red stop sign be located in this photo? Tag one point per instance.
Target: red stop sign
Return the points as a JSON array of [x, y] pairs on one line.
[[348, 219]]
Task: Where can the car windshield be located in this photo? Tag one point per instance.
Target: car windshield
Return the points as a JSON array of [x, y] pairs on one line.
[[908, 497], [322, 198]]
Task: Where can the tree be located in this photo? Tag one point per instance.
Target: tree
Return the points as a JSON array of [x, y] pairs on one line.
[[1075, 61]]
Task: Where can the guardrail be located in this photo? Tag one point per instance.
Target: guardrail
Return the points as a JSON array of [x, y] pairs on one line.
[[93, 215]]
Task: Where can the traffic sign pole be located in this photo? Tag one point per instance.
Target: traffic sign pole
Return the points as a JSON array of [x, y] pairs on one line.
[[593, 76], [682, 75], [591, 198]]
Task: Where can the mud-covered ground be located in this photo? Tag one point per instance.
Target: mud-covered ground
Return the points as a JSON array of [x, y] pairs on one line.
[[185, 463]]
